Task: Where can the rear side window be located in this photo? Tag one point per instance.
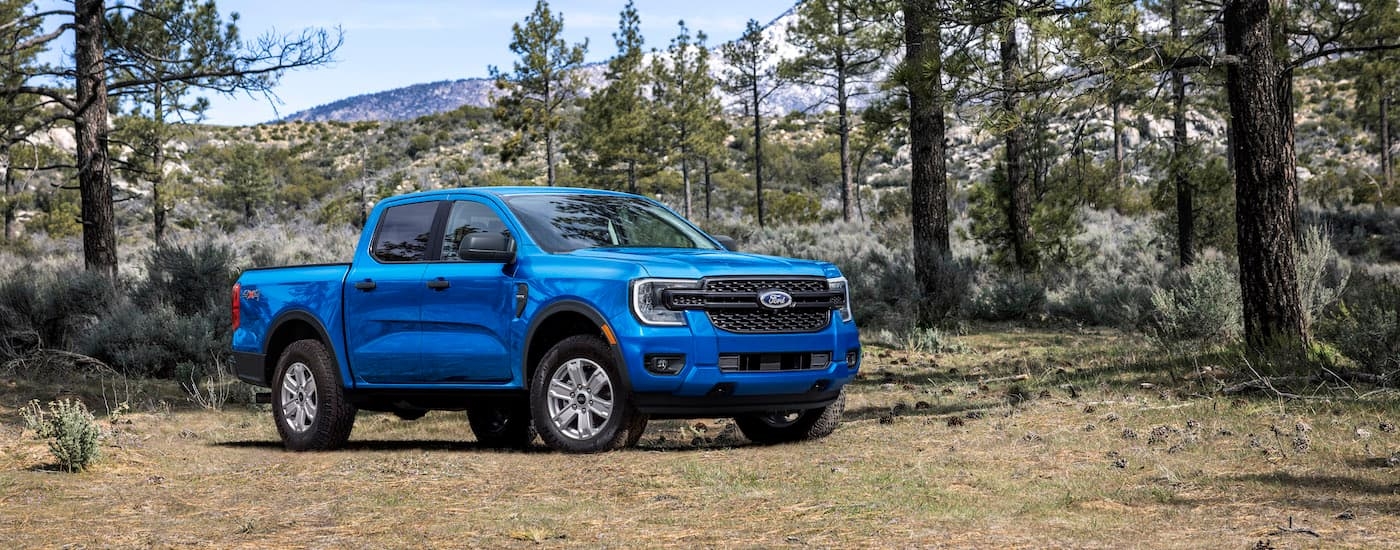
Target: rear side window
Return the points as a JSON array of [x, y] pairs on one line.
[[468, 218], [404, 232]]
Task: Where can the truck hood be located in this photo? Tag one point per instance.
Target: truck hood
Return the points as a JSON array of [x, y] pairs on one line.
[[694, 264]]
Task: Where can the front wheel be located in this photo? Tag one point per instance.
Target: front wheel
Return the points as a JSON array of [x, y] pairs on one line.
[[786, 426], [310, 407], [577, 399]]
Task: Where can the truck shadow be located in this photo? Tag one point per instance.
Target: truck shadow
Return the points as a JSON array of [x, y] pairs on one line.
[[389, 445]]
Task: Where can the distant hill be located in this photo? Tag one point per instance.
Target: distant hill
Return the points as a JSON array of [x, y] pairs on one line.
[[411, 102]]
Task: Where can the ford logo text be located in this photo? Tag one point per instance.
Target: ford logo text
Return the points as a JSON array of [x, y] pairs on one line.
[[775, 299]]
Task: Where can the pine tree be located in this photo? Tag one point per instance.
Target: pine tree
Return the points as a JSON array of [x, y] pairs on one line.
[[159, 39], [20, 116], [247, 180], [752, 75], [80, 93], [843, 49], [544, 82], [691, 115], [617, 130], [922, 77]]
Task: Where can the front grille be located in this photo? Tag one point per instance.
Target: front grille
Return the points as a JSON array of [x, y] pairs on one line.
[[732, 304]]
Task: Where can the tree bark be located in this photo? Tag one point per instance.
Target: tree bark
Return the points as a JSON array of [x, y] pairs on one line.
[[1017, 193], [705, 165], [158, 168], [685, 180], [1387, 171], [10, 206], [1185, 207], [843, 120], [1118, 156], [928, 185], [757, 152], [94, 167], [1265, 181]]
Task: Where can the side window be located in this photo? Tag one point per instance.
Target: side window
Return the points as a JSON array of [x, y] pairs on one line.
[[467, 218], [404, 232]]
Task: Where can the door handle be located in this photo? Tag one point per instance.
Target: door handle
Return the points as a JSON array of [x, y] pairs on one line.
[[366, 285], [439, 284]]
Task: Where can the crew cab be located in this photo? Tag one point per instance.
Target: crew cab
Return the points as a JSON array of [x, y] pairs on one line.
[[571, 314]]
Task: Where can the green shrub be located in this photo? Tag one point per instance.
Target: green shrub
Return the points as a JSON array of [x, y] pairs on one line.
[[1322, 273], [153, 343], [190, 279], [1113, 287], [45, 310], [1365, 325], [70, 429], [1005, 296], [1200, 303]]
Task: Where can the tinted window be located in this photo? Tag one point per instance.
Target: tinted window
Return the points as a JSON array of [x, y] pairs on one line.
[[562, 223], [404, 232], [468, 218]]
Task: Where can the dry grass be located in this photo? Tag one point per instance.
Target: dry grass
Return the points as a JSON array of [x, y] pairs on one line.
[[930, 456]]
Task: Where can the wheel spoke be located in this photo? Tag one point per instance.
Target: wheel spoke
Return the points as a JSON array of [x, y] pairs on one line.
[[585, 425], [601, 407], [598, 381], [575, 372], [559, 390], [565, 417]]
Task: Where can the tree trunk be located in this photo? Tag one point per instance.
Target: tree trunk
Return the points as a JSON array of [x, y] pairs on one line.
[[1185, 207], [848, 189], [705, 165], [1017, 198], [843, 124], [548, 134], [1265, 181], [1118, 157], [928, 185], [757, 153], [94, 168], [685, 180], [1387, 171], [632, 177], [10, 206]]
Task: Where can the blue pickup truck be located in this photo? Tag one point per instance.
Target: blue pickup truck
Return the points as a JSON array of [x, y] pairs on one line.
[[571, 314]]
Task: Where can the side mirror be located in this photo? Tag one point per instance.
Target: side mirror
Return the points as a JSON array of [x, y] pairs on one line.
[[728, 242], [487, 247]]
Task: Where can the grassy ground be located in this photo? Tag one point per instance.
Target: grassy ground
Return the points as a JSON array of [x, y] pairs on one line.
[[1086, 441]]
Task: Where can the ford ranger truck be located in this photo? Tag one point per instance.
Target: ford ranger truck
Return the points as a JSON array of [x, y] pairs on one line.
[[571, 314]]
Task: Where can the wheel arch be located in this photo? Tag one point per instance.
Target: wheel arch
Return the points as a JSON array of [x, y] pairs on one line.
[[291, 327], [561, 320]]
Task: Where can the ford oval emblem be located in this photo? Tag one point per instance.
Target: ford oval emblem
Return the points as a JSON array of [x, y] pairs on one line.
[[775, 299]]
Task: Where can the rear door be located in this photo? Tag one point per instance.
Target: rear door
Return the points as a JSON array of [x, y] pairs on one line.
[[383, 296], [467, 305]]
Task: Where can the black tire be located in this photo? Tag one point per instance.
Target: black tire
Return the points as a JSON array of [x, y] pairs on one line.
[[590, 410], [502, 425], [787, 426], [308, 402]]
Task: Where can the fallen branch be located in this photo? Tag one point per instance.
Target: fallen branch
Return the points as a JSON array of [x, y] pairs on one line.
[[1007, 378]]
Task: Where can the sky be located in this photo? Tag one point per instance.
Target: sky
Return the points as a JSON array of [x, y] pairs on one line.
[[391, 44]]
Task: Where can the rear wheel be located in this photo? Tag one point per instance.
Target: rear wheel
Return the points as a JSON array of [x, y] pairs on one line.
[[785, 426], [503, 425], [309, 406], [577, 400]]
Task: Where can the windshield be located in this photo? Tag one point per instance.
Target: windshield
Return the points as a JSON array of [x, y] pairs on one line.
[[564, 223]]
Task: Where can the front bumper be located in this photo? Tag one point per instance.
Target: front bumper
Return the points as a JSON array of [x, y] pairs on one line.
[[702, 387]]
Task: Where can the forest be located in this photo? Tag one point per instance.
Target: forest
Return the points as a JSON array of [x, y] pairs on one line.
[[1120, 268], [1186, 170]]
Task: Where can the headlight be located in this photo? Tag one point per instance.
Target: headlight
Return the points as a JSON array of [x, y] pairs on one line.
[[839, 284], [650, 307]]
